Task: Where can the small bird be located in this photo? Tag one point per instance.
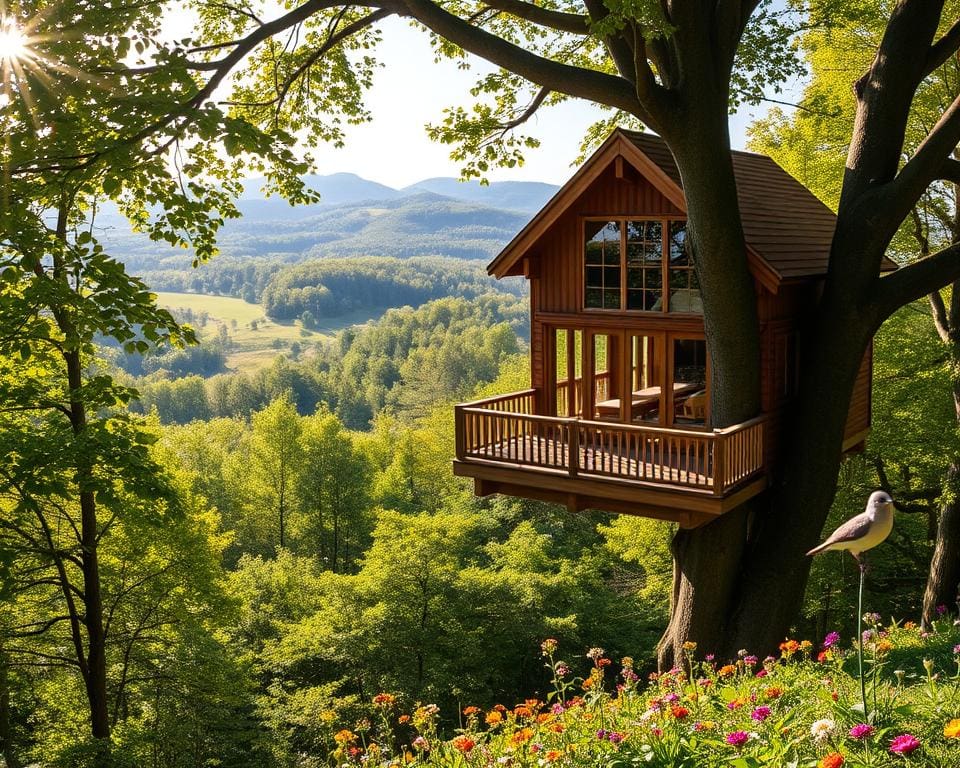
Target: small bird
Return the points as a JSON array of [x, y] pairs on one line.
[[864, 531]]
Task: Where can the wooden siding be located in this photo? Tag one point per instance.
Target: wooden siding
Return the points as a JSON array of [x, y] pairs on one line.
[[560, 251], [858, 417]]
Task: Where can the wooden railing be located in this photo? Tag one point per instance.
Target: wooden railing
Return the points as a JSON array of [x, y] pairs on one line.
[[602, 383], [505, 430]]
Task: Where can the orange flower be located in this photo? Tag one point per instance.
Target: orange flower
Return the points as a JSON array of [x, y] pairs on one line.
[[558, 727], [679, 712], [727, 670], [544, 717], [521, 711], [384, 699], [833, 760], [403, 719], [788, 647], [344, 736], [774, 692], [470, 711], [493, 718], [553, 755], [952, 729], [463, 744], [522, 736]]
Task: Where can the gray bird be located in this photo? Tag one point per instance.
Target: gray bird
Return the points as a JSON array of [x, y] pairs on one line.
[[864, 531]]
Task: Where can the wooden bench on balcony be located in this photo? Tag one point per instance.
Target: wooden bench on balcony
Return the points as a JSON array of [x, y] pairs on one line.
[[688, 476]]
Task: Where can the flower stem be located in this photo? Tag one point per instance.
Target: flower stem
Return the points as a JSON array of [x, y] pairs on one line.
[[863, 685]]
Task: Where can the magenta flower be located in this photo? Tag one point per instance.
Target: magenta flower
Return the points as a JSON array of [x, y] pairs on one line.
[[941, 609], [904, 744], [831, 639], [739, 738], [750, 661], [861, 731], [614, 737], [760, 714], [956, 648]]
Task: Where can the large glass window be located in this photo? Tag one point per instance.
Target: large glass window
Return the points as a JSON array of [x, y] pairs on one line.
[[689, 375], [602, 262], [684, 287], [628, 262]]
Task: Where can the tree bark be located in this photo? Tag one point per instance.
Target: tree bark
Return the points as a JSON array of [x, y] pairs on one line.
[[96, 661], [943, 581], [6, 730]]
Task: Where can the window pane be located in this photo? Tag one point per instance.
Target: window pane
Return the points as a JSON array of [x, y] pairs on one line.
[[594, 298], [611, 299], [651, 301], [691, 405], [678, 240], [594, 277], [634, 299], [602, 264]]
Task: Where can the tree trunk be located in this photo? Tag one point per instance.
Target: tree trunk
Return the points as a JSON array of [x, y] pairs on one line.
[[6, 730], [943, 581], [707, 559]]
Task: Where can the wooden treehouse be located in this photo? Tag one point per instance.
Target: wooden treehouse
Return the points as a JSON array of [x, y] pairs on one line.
[[618, 417]]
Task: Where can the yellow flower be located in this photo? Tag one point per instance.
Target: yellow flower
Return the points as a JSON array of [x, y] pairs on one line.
[[884, 645], [952, 729], [689, 646], [344, 737], [328, 716], [494, 718], [727, 670]]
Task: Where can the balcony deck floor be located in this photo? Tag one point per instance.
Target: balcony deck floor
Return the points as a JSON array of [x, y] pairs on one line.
[[536, 452]]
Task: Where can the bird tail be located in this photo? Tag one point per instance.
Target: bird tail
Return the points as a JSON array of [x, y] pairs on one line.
[[819, 548]]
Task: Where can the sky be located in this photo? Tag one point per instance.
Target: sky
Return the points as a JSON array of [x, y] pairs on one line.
[[412, 90]]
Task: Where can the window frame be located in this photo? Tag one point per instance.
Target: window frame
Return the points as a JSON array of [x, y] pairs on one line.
[[665, 223]]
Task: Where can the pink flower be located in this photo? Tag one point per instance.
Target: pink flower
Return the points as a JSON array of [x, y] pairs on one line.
[[760, 714], [861, 731], [831, 639], [904, 744], [739, 738]]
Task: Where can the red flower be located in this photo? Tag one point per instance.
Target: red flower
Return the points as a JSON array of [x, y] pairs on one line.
[[463, 744], [679, 712]]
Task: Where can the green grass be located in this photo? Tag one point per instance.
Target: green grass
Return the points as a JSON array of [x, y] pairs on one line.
[[255, 347]]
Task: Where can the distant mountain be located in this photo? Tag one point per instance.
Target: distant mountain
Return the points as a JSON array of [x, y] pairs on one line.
[[527, 196], [418, 224]]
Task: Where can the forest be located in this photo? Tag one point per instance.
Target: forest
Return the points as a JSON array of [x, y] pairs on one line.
[[205, 565]]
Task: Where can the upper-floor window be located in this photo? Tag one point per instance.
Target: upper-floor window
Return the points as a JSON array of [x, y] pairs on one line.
[[627, 263]]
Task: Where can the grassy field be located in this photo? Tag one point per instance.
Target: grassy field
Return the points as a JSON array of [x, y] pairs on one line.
[[256, 339]]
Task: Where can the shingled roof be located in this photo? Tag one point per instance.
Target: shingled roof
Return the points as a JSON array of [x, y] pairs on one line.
[[787, 229]]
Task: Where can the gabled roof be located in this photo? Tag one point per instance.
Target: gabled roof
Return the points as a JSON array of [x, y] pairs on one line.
[[787, 229]]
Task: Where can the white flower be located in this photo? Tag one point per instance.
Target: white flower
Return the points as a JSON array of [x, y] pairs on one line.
[[822, 730]]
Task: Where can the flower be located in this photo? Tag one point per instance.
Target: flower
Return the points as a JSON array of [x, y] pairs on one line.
[[952, 729], [760, 714], [738, 738], [750, 661], [421, 743], [384, 699], [831, 639], [522, 736], [614, 737], [552, 755], [595, 653], [493, 718], [727, 670], [833, 760], [463, 744], [821, 730], [941, 609], [549, 646], [789, 647], [861, 731], [471, 710], [689, 646], [904, 744], [344, 737], [773, 692], [679, 712]]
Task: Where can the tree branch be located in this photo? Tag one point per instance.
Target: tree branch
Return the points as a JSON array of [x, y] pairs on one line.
[[574, 23], [915, 280], [580, 82], [941, 50]]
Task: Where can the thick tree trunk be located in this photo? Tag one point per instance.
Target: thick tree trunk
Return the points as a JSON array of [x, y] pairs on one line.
[[943, 581], [707, 560]]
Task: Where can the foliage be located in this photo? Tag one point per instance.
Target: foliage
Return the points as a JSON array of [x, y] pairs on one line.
[[334, 287], [790, 710]]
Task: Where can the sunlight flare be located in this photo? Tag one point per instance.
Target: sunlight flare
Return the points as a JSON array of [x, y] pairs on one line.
[[14, 44]]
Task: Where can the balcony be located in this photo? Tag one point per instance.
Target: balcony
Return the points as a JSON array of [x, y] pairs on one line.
[[688, 476]]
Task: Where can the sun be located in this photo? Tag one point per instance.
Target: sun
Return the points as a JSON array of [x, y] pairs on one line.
[[13, 42]]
